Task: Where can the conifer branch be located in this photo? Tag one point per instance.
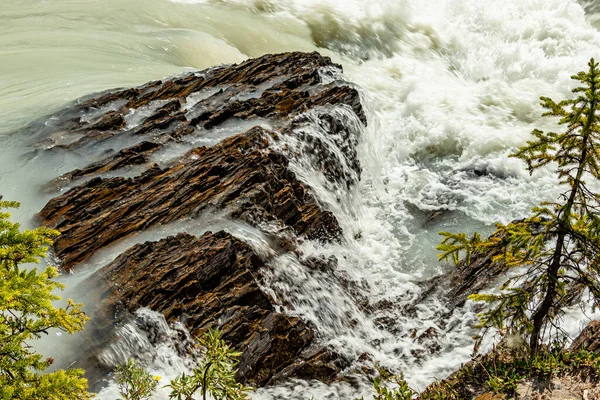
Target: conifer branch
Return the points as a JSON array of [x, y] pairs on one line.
[[560, 243]]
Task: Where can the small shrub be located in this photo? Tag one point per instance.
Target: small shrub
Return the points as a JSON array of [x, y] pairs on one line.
[[27, 311], [504, 368], [135, 383], [215, 374], [401, 392]]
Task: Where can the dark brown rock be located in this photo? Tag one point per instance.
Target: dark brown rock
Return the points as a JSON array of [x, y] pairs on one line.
[[134, 155], [244, 174], [212, 281], [472, 278], [286, 86], [480, 274], [240, 175], [464, 279], [314, 363]]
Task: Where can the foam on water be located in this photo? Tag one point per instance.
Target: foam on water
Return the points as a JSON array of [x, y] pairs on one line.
[[165, 351], [450, 88]]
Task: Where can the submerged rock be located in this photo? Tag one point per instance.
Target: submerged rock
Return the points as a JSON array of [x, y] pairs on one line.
[[295, 112], [467, 279]]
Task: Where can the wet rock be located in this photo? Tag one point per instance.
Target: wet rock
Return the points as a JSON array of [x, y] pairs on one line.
[[285, 86], [463, 280], [481, 274], [240, 175], [134, 155], [315, 363], [429, 340], [213, 281], [321, 264], [247, 175], [427, 217], [294, 116]]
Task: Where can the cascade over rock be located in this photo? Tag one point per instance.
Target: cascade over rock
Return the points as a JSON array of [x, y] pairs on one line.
[[213, 279]]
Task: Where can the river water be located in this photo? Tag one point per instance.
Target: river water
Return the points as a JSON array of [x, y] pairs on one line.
[[450, 87]]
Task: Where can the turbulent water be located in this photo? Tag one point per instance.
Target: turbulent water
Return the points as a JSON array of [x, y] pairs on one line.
[[450, 88]]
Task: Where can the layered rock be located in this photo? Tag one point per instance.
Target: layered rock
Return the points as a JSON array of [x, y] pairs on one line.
[[276, 88], [294, 110], [211, 281], [588, 339], [243, 174], [240, 175], [466, 279]]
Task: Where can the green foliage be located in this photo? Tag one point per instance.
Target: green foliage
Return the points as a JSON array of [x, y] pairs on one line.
[[556, 250], [215, 374], [503, 373], [454, 244], [135, 383], [441, 390], [27, 312], [401, 391]]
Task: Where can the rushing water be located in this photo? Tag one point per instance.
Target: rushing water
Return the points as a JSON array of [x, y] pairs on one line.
[[451, 88]]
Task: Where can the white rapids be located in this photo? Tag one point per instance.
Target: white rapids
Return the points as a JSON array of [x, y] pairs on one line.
[[450, 88]]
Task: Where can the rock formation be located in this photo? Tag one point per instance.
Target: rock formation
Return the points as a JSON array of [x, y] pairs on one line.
[[240, 175], [289, 106], [210, 281]]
